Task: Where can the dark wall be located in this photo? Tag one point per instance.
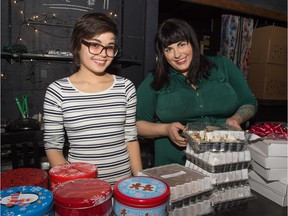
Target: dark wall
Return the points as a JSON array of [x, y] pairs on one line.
[[137, 21], [206, 20], [51, 33]]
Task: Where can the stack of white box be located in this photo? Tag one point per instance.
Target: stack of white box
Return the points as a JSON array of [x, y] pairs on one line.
[[269, 168], [226, 162]]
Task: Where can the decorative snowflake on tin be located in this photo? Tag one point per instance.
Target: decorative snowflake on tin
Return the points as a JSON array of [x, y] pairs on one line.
[[35, 189], [9, 213], [23, 208], [9, 191], [86, 200], [45, 203], [42, 197], [97, 199]]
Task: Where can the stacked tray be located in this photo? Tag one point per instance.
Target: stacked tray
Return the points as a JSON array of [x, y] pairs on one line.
[[190, 190], [219, 162], [223, 179], [220, 151]]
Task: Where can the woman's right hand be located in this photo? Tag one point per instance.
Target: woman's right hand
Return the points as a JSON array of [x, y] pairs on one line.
[[154, 130], [173, 133], [55, 157]]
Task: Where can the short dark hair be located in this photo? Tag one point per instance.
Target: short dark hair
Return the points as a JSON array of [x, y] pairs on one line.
[[88, 26]]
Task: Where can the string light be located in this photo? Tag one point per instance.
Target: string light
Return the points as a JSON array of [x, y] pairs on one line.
[[113, 14], [49, 19]]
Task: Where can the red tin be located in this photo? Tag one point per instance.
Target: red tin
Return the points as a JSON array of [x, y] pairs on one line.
[[83, 197], [141, 195], [70, 171], [24, 177]]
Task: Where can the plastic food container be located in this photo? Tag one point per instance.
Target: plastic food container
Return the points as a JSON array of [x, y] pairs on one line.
[[83, 197], [70, 171], [220, 161], [141, 196], [183, 181], [26, 201], [24, 177], [204, 137]]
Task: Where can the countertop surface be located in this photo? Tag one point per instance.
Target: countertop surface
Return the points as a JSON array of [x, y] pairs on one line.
[[260, 206]]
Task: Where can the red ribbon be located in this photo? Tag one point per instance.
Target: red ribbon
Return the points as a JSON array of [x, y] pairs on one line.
[[271, 130]]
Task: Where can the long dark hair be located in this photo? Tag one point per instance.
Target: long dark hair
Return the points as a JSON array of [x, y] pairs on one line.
[[172, 31], [86, 27]]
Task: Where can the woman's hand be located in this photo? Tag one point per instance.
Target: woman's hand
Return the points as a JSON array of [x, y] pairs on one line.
[[173, 133], [155, 130], [55, 157], [243, 113], [233, 122]]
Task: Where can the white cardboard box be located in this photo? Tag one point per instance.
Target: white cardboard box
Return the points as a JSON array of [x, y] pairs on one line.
[[271, 194], [269, 174], [273, 147], [265, 161], [280, 186]]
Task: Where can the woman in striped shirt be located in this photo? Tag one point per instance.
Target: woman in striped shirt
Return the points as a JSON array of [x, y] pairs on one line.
[[95, 108]]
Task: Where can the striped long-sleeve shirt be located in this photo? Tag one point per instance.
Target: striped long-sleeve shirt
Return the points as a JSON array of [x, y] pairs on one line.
[[97, 125]]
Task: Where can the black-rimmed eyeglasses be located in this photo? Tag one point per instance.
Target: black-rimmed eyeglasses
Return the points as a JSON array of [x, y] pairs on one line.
[[96, 48]]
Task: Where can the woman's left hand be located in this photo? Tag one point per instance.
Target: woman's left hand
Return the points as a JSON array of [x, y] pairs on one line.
[[233, 122]]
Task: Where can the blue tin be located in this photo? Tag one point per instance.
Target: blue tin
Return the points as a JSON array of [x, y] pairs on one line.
[[26, 201], [141, 195]]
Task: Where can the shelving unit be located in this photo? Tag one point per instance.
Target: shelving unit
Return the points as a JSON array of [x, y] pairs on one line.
[[20, 57]]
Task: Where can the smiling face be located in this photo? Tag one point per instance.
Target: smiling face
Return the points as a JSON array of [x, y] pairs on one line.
[[97, 63], [179, 55]]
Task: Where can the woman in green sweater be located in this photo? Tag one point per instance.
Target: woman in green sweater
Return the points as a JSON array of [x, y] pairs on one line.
[[188, 87]]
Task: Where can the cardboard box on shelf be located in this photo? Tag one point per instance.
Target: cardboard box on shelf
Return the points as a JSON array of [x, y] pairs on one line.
[[268, 81], [274, 174], [269, 45], [280, 186], [265, 161]]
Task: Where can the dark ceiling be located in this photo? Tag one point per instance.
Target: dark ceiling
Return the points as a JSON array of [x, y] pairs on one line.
[[197, 14]]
